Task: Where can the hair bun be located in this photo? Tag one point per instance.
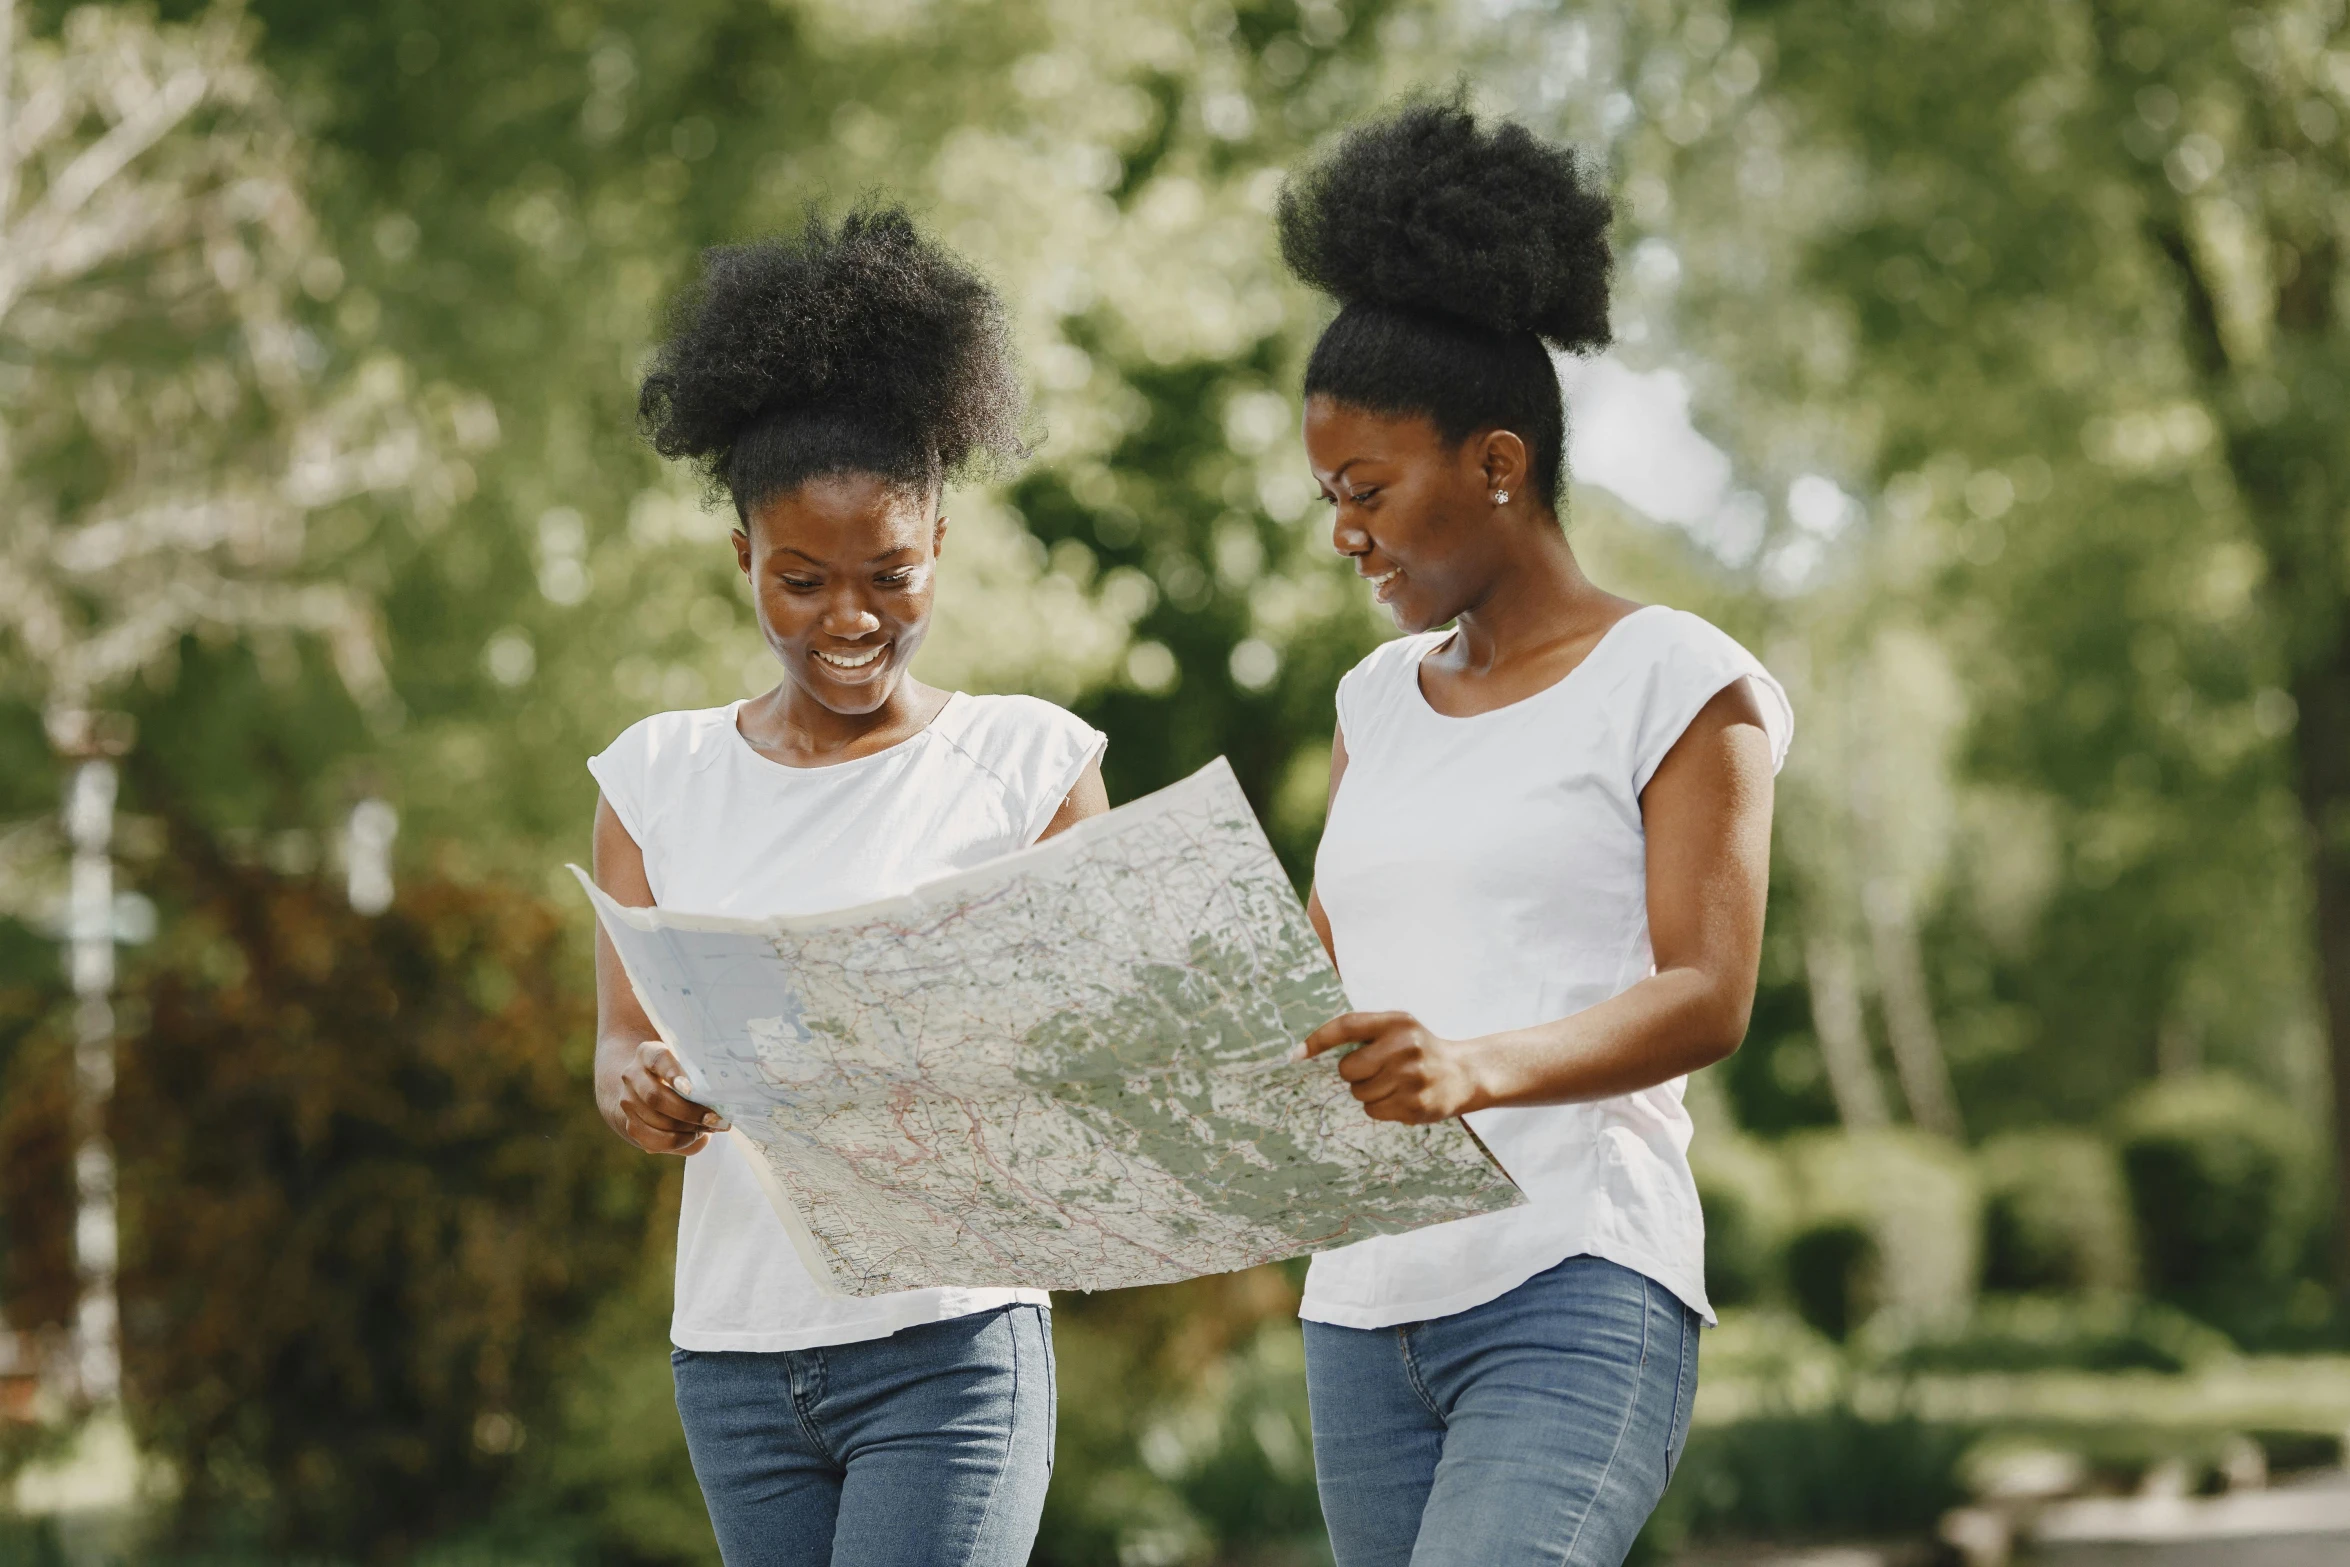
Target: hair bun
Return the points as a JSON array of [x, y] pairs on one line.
[[1428, 211], [865, 323]]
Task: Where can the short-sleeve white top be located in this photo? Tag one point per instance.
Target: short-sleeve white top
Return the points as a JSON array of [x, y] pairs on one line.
[[1490, 873], [725, 830]]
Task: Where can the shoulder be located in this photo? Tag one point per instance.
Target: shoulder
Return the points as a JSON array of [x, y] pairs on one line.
[[1023, 742], [1393, 661], [1660, 634], [1033, 751], [1373, 687], [990, 727], [688, 737], [639, 772], [1672, 664]]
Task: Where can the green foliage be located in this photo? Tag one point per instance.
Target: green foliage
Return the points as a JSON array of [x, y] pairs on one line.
[[1888, 1221], [2093, 1332], [1835, 1276], [32, 1542], [1797, 1476], [366, 1203], [36, 1174], [609, 1472], [1183, 1430], [1222, 569], [1954, 258], [2055, 1216], [1743, 1188], [2223, 1182], [512, 193]]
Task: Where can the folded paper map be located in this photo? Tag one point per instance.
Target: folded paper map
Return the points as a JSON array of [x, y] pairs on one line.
[[1070, 1068]]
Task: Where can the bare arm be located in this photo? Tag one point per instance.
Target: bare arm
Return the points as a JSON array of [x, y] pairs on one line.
[[1314, 910], [1089, 798], [1707, 813], [634, 1070]]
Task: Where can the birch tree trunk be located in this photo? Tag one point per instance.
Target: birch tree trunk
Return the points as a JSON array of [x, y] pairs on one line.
[[1909, 1013], [1833, 978]]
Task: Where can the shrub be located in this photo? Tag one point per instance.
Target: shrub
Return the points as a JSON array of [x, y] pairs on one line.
[[2055, 1214], [1183, 1430], [366, 1204], [1834, 1276], [1749, 1211], [2054, 1333], [37, 1098], [612, 1472], [1829, 1473], [1889, 1220], [2224, 1184]]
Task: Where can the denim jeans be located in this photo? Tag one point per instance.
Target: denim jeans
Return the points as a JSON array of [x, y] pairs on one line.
[[929, 1448], [1538, 1427]]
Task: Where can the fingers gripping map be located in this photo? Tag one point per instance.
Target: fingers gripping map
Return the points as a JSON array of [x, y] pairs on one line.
[[1070, 1068]]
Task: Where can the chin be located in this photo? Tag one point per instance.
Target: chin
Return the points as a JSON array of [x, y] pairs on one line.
[[1411, 620], [851, 698]]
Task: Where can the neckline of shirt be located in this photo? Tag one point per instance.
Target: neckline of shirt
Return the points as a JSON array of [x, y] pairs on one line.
[[742, 743], [1420, 697]]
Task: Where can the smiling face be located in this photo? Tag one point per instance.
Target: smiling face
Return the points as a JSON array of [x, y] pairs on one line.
[[1414, 511], [841, 570]]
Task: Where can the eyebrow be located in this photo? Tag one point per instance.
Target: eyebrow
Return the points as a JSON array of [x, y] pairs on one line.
[[903, 549]]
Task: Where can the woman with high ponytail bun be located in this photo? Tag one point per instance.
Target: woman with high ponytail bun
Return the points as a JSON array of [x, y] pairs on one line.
[[1542, 876], [827, 385]]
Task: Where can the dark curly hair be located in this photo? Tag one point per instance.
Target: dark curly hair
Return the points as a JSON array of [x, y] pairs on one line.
[[1455, 252], [861, 348]]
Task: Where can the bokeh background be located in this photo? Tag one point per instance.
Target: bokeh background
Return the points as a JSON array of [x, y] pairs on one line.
[[1984, 366]]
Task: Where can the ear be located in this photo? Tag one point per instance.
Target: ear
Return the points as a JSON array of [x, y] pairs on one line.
[[1508, 467], [742, 551], [938, 538]]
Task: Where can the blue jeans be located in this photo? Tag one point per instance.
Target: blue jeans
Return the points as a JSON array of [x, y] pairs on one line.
[[1538, 1427], [929, 1448]]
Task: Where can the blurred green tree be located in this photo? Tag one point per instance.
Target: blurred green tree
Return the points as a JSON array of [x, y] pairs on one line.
[[175, 457], [518, 192], [364, 1220], [2006, 548], [2224, 1185], [2077, 267]]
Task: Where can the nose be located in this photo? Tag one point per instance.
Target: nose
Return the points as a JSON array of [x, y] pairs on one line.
[[1349, 538], [847, 618]]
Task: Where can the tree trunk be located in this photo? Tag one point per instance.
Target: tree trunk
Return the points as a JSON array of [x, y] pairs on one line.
[[2289, 468], [89, 821], [1834, 982], [2322, 750], [1909, 1011]]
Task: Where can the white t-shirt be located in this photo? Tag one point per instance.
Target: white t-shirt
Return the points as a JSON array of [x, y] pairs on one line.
[[1490, 873], [725, 830]]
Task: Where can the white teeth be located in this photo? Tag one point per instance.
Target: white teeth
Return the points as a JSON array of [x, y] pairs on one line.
[[843, 661], [1383, 578]]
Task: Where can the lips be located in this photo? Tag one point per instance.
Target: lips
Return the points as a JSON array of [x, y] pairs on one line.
[[859, 659], [1382, 582]]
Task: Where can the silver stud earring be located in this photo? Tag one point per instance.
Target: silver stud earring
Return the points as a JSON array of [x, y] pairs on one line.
[[1501, 497]]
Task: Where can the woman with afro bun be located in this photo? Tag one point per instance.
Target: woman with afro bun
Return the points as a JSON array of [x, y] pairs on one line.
[[1542, 875], [828, 385]]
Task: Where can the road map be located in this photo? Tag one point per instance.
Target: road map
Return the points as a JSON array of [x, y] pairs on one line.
[[1071, 1068]]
